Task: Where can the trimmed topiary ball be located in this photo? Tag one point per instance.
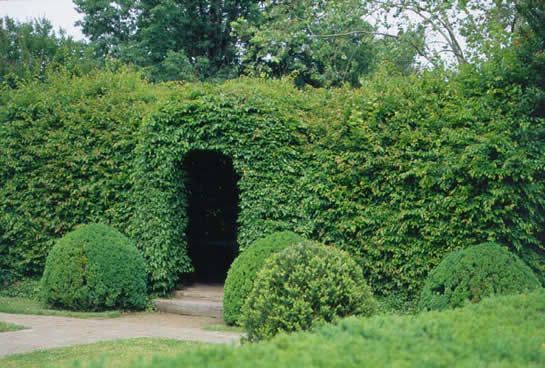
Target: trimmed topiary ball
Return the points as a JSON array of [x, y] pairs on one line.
[[95, 267], [303, 285], [241, 275], [469, 275]]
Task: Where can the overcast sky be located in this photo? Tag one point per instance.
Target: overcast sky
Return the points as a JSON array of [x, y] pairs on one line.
[[60, 12]]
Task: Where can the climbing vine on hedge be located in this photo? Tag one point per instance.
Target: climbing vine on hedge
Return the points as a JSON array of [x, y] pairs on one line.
[[397, 173], [66, 157], [243, 121], [419, 166]]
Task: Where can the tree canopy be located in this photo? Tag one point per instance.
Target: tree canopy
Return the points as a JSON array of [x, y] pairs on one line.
[[28, 49]]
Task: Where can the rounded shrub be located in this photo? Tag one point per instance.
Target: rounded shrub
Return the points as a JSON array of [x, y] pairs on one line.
[[468, 275], [241, 275], [303, 285], [95, 267]]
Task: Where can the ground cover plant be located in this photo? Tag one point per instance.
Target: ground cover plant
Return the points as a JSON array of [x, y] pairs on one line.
[[469, 275], [302, 286], [6, 327], [243, 271], [94, 267], [222, 327], [110, 354], [504, 331], [25, 288]]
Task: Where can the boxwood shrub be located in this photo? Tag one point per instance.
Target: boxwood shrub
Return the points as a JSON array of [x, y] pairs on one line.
[[302, 286], [469, 275], [242, 273], [94, 267]]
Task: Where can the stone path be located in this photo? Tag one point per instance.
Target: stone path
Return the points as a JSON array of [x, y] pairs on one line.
[[46, 332], [202, 300]]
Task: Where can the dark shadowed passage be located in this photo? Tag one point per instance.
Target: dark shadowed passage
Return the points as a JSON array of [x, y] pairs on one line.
[[212, 214]]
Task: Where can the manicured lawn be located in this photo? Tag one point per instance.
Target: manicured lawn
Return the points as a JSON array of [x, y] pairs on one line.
[[114, 354], [30, 306], [6, 327], [220, 327]]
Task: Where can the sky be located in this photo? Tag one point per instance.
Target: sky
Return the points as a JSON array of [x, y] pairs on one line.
[[61, 13]]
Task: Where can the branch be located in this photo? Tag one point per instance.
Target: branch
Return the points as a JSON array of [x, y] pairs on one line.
[[419, 51]]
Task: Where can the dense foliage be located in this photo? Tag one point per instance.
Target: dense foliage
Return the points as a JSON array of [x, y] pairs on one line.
[[191, 36], [94, 267], [419, 166], [397, 173], [320, 43], [469, 275], [243, 271], [29, 50], [502, 331], [26, 288], [66, 158], [302, 286], [256, 124]]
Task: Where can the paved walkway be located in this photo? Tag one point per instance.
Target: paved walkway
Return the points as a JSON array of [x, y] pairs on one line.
[[46, 332]]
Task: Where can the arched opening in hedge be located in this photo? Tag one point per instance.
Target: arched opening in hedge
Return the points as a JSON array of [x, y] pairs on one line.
[[266, 146], [211, 186]]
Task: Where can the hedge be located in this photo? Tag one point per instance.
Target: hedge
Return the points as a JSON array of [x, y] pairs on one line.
[[397, 173], [498, 332], [420, 166], [66, 159], [261, 125]]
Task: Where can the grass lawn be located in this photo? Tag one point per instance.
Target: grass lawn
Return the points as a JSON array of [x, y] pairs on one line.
[[220, 327], [6, 327], [20, 305], [118, 354]]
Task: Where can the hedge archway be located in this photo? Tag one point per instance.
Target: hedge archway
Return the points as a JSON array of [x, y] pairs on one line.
[[266, 151]]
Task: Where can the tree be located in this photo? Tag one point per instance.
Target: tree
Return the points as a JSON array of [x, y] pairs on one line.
[[530, 54], [146, 32], [318, 42], [108, 24], [28, 49], [457, 31]]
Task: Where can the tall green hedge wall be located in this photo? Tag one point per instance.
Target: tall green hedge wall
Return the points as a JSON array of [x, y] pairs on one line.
[[397, 173], [66, 157], [420, 166]]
